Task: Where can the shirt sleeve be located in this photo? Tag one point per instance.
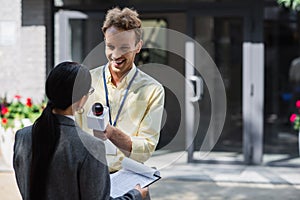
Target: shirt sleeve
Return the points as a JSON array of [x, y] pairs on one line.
[[146, 139]]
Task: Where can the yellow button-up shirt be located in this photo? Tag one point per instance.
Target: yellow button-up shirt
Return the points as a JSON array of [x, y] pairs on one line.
[[140, 117]]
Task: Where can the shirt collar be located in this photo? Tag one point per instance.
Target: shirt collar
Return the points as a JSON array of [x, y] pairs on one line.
[[71, 117], [125, 79]]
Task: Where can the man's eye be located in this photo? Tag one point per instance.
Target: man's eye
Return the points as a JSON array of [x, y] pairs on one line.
[[125, 48], [110, 47]]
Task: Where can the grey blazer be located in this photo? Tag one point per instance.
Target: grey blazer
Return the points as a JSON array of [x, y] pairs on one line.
[[78, 170]]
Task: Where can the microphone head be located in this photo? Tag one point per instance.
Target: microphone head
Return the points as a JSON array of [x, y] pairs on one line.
[[97, 109]]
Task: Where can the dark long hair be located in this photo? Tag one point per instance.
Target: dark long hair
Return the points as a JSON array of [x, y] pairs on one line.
[[67, 83]]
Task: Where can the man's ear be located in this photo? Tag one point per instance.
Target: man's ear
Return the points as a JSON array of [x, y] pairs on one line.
[[139, 46]]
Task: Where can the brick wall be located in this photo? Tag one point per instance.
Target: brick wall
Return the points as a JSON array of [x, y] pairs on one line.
[[33, 61], [22, 49]]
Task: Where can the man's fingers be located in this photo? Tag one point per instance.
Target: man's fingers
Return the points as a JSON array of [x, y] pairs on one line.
[[100, 134]]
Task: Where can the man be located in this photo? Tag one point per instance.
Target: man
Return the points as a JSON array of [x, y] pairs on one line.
[[135, 100]]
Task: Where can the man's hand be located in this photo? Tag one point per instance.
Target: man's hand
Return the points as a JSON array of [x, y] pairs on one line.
[[104, 135], [143, 191], [100, 134], [117, 137]]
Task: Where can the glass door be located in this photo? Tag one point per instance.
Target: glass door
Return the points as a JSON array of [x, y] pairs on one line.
[[222, 38]]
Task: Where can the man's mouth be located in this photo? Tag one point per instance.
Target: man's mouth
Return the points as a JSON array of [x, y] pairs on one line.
[[117, 63]]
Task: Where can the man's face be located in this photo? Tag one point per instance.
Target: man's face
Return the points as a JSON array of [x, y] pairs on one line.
[[120, 49]]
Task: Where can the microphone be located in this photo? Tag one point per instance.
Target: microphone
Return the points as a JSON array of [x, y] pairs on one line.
[[97, 109], [98, 117]]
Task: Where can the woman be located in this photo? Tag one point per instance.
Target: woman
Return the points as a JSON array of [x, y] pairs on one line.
[[50, 158]]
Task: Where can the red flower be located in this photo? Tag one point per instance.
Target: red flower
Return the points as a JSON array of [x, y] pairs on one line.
[[28, 102], [18, 97], [4, 121], [293, 118], [298, 104], [4, 110]]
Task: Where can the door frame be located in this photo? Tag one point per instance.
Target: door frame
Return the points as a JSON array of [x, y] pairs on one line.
[[63, 17], [252, 78], [64, 32]]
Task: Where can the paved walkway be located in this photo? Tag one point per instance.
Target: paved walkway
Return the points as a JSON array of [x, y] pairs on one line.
[[8, 187], [178, 169], [221, 181], [183, 181], [198, 190]]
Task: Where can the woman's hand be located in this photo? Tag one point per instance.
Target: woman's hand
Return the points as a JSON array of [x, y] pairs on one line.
[[143, 191]]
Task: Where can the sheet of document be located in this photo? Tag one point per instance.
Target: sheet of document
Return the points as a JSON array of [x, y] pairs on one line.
[[124, 180], [132, 173]]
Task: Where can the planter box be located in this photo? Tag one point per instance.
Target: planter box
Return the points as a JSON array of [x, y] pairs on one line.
[[7, 140]]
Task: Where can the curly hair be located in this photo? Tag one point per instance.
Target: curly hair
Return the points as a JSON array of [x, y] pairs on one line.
[[125, 19]]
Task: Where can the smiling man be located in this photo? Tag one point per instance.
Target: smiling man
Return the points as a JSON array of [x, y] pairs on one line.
[[135, 100]]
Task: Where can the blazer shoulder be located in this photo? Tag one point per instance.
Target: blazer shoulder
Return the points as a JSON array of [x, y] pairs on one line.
[[22, 145], [25, 130], [23, 134]]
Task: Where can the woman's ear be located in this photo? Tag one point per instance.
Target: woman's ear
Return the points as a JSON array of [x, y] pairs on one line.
[[139, 46], [78, 106]]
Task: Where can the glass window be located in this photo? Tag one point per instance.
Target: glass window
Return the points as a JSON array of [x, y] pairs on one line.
[[154, 38]]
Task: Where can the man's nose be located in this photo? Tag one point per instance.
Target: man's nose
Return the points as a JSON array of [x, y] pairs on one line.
[[116, 53]]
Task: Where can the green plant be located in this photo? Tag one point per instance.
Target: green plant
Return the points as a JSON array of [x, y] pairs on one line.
[[13, 113], [293, 4]]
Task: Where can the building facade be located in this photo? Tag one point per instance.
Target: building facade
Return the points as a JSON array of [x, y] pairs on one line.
[[252, 44]]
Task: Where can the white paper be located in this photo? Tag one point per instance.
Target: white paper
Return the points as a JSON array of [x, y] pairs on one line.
[[139, 168], [133, 173]]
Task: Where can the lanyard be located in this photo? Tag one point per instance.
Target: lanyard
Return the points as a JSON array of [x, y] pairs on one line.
[[124, 97]]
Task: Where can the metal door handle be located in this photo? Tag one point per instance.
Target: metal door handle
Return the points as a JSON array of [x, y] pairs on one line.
[[199, 88]]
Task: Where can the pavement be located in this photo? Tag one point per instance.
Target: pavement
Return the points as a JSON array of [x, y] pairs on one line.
[[174, 166], [203, 181]]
